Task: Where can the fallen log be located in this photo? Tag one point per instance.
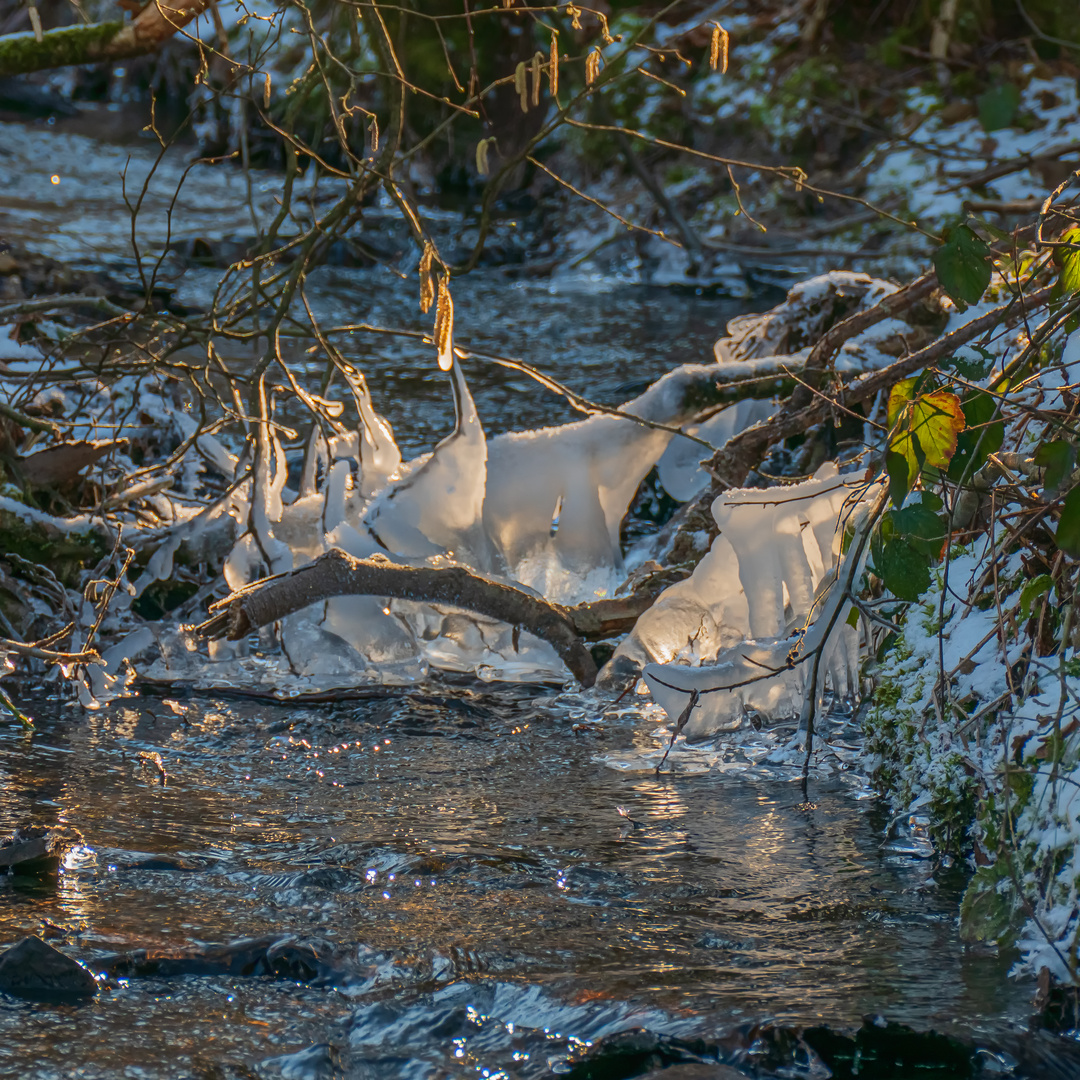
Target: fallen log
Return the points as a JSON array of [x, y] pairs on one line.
[[96, 42], [339, 574]]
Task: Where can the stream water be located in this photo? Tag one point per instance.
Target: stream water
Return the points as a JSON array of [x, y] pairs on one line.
[[486, 895]]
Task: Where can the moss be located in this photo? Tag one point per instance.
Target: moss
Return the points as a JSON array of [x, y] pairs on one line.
[[22, 53], [65, 554]]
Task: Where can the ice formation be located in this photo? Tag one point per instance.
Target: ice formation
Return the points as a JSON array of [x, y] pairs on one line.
[[558, 530], [727, 630], [542, 509]]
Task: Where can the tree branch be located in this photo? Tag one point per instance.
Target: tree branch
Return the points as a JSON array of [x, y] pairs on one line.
[[155, 24], [830, 343], [732, 462], [339, 574]]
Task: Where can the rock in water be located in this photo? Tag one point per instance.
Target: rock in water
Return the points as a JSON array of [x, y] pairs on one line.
[[33, 969], [38, 849]]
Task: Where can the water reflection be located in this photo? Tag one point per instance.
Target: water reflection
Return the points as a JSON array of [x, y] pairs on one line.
[[484, 846]]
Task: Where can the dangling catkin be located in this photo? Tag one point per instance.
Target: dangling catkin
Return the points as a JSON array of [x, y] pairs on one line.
[[444, 324], [536, 61], [521, 86], [592, 66], [553, 65], [373, 135], [718, 52], [427, 285], [482, 165], [266, 91]]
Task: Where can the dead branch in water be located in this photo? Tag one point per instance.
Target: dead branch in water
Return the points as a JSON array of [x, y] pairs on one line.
[[339, 574]]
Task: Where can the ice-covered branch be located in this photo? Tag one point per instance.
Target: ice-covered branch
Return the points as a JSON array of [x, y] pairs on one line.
[[339, 574], [731, 463]]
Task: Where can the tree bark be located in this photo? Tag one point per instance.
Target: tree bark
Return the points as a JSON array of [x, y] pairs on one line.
[[339, 574], [97, 42]]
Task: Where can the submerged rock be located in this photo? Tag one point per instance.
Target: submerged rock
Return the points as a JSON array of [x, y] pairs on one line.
[[319, 1062], [33, 969]]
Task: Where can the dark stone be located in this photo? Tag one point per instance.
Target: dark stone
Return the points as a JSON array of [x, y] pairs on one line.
[[33, 969], [37, 849], [283, 958], [690, 1071], [639, 1052]]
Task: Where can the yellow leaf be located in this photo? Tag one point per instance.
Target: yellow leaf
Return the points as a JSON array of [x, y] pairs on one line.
[[924, 428]]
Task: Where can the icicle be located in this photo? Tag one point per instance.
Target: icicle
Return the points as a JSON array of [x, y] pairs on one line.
[[315, 454], [436, 507], [377, 452], [269, 471]]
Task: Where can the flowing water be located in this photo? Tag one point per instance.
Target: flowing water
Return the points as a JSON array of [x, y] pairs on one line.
[[483, 895]]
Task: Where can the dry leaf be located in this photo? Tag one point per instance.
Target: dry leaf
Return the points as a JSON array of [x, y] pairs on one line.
[[592, 67], [58, 464]]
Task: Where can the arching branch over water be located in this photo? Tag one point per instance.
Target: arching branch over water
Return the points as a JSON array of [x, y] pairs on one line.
[[339, 574]]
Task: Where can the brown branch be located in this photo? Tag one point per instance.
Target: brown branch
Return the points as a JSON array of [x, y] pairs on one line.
[[339, 574], [830, 343], [1013, 165], [732, 462], [154, 25]]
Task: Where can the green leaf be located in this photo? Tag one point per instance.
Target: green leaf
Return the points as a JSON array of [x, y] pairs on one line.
[[1068, 530], [963, 266], [990, 229], [968, 368], [924, 432], [1032, 591], [1070, 262], [921, 527], [900, 477], [1057, 458], [982, 435], [905, 571], [853, 618], [997, 107]]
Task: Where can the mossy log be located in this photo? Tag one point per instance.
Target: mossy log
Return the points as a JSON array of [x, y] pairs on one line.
[[97, 42]]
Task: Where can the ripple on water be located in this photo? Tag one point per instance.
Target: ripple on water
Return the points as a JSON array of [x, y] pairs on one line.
[[499, 866]]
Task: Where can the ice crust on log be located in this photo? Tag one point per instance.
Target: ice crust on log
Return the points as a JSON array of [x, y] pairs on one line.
[[791, 328]]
